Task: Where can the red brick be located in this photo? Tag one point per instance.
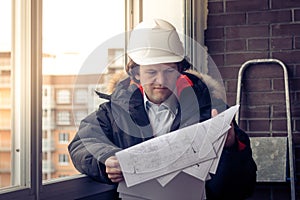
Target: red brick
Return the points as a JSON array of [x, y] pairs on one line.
[[269, 17], [297, 15], [243, 124], [259, 133], [259, 125], [238, 6], [215, 7], [297, 71], [279, 125], [247, 31], [226, 19], [290, 69], [231, 98], [215, 46], [259, 85], [229, 72], [296, 139], [295, 110], [288, 57], [231, 85], [263, 71], [296, 125], [282, 43], [240, 58], [258, 44], [284, 4], [279, 111], [297, 151], [255, 112], [278, 84], [264, 98], [235, 45], [214, 33], [279, 134], [297, 99], [295, 84], [286, 29], [297, 42], [218, 59]]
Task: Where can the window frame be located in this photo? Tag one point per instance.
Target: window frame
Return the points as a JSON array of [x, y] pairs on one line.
[[63, 159], [63, 96], [27, 84], [63, 118], [63, 137]]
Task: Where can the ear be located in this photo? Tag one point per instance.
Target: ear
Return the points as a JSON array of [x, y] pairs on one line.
[[137, 76], [134, 75]]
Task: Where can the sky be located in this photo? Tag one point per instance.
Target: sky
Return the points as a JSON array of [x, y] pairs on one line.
[[73, 29], [5, 25], [70, 25]]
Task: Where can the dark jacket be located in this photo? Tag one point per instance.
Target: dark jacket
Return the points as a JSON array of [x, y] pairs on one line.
[[123, 122]]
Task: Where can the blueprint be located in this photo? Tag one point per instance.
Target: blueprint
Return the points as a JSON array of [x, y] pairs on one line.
[[194, 150]]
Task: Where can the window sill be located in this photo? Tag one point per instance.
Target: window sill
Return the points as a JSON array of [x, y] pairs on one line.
[[73, 187]]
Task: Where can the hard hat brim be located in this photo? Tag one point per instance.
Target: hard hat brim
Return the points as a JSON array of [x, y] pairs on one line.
[[154, 56]]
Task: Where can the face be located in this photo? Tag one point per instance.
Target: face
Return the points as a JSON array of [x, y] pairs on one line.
[[158, 81]]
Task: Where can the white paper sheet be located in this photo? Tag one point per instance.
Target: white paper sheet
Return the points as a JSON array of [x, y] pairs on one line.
[[169, 154], [181, 187]]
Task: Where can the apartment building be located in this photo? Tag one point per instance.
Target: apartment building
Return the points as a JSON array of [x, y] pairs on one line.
[[66, 100], [5, 119]]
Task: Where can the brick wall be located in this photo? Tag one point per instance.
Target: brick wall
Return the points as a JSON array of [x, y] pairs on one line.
[[240, 30]]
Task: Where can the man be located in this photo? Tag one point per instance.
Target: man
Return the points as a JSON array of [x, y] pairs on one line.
[[158, 97]]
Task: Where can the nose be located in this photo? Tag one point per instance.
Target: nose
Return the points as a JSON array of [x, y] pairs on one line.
[[160, 78]]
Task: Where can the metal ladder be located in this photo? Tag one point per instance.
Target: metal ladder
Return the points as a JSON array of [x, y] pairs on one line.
[[288, 113]]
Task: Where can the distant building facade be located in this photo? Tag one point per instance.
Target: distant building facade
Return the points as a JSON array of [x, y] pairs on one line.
[[66, 99]]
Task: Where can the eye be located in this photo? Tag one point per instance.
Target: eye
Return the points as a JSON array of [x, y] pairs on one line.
[[170, 70], [150, 72]]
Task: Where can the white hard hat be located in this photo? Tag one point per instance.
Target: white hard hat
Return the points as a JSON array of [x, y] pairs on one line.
[[154, 42]]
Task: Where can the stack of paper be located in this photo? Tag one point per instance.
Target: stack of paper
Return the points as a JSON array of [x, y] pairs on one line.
[[178, 162]]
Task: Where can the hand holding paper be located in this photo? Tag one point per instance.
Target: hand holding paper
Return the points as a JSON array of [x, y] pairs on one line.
[[177, 150]]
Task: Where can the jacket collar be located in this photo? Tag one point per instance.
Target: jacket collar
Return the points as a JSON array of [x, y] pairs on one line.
[[129, 96]]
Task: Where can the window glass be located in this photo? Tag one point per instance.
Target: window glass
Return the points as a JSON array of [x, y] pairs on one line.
[[63, 118], [64, 138], [6, 173], [78, 56], [63, 159], [63, 96]]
